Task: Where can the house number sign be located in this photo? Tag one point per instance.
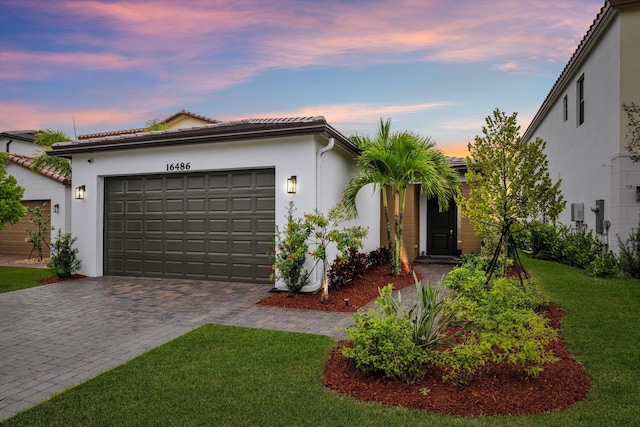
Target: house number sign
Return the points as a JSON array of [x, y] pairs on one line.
[[175, 167]]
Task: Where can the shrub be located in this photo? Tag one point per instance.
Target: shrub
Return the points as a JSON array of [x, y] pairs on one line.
[[345, 269], [579, 249], [382, 342], [630, 254], [506, 327], [604, 266], [64, 260], [290, 253], [378, 257]]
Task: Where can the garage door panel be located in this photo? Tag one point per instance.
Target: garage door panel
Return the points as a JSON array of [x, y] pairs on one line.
[[216, 225], [153, 206]]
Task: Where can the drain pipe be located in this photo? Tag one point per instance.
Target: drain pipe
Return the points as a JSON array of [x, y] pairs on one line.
[[319, 186], [323, 150]]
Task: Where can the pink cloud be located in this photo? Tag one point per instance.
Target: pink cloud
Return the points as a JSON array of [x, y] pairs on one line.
[[14, 116], [357, 112], [20, 65]]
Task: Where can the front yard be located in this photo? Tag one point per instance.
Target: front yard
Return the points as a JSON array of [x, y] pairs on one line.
[[225, 375]]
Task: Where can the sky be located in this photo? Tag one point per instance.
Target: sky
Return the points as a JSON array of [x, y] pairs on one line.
[[435, 67]]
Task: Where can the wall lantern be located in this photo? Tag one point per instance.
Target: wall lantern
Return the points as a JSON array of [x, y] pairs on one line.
[[56, 208], [80, 192], [292, 184]]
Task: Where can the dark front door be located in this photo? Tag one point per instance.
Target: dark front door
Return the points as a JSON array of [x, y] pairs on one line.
[[441, 229]]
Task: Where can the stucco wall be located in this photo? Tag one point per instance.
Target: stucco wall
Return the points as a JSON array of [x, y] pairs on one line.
[[589, 158]]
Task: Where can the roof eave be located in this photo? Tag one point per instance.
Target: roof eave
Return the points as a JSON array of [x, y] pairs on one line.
[[163, 139]]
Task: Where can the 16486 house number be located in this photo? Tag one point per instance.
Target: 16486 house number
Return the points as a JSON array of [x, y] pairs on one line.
[[176, 167]]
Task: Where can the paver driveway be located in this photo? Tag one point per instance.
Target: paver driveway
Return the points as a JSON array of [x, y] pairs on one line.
[[57, 335]]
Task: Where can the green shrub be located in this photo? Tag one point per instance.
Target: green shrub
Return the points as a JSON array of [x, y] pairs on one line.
[[630, 254], [382, 342], [579, 249], [290, 253], [506, 327], [64, 257], [38, 237], [604, 266]]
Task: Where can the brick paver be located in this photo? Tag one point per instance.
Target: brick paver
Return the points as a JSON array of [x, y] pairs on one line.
[[57, 335]]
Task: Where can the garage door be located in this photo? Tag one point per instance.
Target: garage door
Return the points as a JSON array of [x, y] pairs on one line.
[[12, 236], [214, 226]]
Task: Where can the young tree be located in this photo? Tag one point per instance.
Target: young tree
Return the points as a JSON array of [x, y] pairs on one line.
[[397, 160], [45, 139], [11, 208], [633, 129], [509, 183]]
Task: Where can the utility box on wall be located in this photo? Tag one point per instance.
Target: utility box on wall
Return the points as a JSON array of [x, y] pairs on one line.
[[577, 212], [637, 194]]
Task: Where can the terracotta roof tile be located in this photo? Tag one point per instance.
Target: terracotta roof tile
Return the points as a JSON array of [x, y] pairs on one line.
[[27, 163]]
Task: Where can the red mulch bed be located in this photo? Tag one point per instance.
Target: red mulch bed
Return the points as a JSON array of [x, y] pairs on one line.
[[496, 390], [56, 279]]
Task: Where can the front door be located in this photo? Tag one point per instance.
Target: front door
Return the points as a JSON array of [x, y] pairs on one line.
[[442, 229]]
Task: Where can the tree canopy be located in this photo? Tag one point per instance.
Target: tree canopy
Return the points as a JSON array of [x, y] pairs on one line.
[[509, 183], [11, 208]]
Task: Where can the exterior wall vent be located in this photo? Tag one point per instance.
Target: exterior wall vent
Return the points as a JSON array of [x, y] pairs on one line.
[[577, 212]]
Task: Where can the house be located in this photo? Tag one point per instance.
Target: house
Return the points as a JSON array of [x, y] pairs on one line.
[[203, 202], [584, 124], [47, 189]]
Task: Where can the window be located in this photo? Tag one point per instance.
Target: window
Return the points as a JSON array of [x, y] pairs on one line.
[[580, 97], [565, 109]]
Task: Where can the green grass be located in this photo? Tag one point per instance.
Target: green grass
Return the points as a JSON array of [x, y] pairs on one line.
[[16, 278], [232, 376]]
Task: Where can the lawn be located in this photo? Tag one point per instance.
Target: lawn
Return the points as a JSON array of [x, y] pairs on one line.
[[230, 376], [16, 278]]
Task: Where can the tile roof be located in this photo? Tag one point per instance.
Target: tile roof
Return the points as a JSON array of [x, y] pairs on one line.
[[457, 162], [172, 117], [27, 163], [254, 128]]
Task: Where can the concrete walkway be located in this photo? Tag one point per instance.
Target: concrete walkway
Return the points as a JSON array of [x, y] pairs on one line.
[[58, 335]]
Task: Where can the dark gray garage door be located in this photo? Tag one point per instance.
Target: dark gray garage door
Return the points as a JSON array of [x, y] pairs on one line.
[[215, 225]]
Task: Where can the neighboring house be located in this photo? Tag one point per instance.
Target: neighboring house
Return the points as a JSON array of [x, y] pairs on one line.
[[203, 202], [584, 124], [47, 190], [180, 120]]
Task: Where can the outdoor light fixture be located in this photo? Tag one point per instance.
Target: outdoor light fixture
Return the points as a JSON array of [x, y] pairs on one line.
[[80, 192], [56, 208], [292, 184]]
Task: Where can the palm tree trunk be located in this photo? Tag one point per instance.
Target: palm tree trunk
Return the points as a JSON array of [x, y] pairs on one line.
[[385, 204]]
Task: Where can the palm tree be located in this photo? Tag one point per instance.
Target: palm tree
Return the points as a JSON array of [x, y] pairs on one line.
[[396, 161], [45, 139]]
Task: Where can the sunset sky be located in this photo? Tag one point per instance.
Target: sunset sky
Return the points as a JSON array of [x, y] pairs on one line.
[[434, 67]]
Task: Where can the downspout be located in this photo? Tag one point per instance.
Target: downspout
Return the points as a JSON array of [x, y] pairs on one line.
[[323, 150], [318, 205]]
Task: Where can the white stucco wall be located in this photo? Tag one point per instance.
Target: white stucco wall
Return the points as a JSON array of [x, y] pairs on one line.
[[588, 158], [289, 156], [11, 145]]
